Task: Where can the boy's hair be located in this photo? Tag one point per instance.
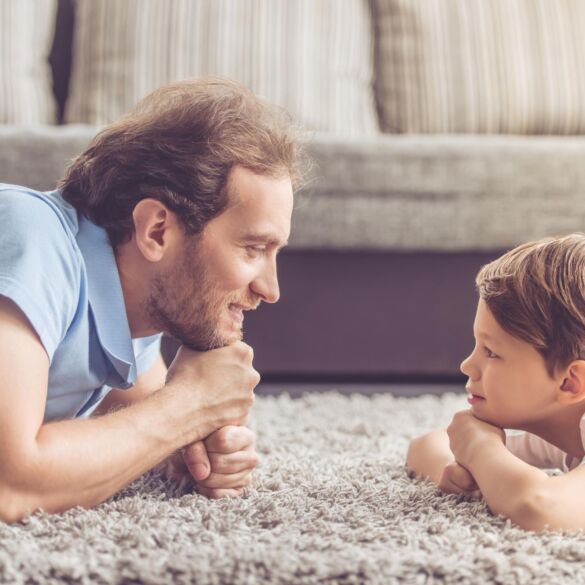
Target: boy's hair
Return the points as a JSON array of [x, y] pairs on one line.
[[536, 292], [178, 145]]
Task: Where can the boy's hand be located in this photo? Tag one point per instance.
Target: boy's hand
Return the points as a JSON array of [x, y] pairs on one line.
[[468, 435], [455, 479]]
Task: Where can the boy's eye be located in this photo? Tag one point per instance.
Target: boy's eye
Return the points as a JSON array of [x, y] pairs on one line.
[[488, 352]]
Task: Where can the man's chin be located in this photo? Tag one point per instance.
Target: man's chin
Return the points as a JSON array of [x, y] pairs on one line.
[[223, 340], [233, 336]]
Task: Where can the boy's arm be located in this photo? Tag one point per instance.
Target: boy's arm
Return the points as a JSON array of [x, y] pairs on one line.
[[430, 457], [513, 488], [429, 454]]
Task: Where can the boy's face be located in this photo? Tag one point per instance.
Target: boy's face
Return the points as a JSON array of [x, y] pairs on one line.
[[509, 385]]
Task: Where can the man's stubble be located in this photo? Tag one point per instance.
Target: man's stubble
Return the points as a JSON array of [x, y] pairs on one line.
[[185, 303]]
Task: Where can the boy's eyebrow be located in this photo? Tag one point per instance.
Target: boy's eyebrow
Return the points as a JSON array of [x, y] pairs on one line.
[[485, 336]]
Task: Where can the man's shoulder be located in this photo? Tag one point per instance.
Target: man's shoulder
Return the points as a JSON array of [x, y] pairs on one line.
[[38, 237], [36, 210], [40, 261]]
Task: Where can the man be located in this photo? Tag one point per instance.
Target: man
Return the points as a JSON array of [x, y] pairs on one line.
[[170, 221]]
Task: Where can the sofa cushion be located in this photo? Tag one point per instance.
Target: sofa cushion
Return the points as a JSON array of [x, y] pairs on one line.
[[473, 66], [26, 34], [441, 192], [314, 57], [37, 156], [438, 193]]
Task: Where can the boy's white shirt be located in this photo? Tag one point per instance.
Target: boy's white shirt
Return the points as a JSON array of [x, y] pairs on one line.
[[539, 453]]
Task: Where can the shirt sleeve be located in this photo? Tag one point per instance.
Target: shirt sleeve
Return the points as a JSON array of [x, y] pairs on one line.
[[39, 267], [536, 451], [146, 350]]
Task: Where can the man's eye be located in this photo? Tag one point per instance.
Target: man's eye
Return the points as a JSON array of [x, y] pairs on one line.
[[254, 251], [489, 353]]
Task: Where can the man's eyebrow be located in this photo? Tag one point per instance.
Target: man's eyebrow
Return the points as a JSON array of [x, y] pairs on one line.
[[265, 239]]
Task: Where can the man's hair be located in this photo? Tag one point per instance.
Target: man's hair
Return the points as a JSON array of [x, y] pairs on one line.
[[178, 145], [536, 292]]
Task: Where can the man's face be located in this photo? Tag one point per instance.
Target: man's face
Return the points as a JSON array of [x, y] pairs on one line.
[[509, 384], [228, 269]]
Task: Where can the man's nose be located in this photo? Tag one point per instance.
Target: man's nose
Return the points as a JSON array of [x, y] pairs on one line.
[[266, 285]]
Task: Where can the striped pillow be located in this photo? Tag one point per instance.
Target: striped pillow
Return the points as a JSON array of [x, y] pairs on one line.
[[26, 35], [479, 66], [313, 57]]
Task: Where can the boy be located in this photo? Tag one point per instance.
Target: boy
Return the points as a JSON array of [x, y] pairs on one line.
[[526, 372]]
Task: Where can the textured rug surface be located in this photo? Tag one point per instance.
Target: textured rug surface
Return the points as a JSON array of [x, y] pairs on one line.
[[331, 504]]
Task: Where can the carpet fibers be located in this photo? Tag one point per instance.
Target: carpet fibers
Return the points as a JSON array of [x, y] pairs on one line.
[[331, 504]]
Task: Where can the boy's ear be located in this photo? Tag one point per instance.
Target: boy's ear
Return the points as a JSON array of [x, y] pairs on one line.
[[572, 386]]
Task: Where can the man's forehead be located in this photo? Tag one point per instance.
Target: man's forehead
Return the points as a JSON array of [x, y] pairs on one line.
[[241, 180]]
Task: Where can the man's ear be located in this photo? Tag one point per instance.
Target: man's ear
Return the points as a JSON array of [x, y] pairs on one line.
[[572, 384], [154, 228]]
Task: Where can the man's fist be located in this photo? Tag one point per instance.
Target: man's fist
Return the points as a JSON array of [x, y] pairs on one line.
[[214, 388], [455, 479], [221, 465]]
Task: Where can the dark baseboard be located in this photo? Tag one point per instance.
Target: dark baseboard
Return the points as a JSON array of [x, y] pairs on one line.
[[367, 316]]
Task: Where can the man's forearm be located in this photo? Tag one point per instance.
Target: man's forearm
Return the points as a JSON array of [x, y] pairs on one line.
[[428, 455], [83, 462]]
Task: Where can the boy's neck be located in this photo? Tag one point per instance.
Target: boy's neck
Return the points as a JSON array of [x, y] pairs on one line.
[[563, 430]]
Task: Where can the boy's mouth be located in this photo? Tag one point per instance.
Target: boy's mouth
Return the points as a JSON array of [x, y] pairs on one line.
[[474, 398]]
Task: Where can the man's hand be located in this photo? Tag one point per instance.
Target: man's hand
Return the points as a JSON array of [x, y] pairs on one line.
[[221, 465], [216, 387], [455, 479], [468, 435]]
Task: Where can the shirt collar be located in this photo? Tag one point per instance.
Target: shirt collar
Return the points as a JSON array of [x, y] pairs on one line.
[[107, 300]]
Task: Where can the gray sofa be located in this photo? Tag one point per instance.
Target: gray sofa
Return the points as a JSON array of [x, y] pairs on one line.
[[387, 237]]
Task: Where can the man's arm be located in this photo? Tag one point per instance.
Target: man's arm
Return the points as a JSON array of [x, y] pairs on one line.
[[145, 385], [63, 464], [221, 465]]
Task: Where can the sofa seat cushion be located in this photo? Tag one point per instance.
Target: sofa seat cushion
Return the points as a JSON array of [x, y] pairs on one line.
[[36, 156], [442, 193]]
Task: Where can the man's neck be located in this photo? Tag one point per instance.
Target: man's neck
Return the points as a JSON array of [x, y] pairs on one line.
[[135, 292]]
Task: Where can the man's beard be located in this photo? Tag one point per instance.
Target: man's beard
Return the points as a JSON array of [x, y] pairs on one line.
[[184, 303]]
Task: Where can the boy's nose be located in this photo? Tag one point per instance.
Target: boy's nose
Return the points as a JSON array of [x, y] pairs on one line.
[[465, 366]]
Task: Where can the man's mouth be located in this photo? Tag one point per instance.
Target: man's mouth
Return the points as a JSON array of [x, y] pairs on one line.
[[237, 312]]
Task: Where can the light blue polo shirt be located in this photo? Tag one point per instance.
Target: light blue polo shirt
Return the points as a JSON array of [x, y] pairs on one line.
[[60, 270]]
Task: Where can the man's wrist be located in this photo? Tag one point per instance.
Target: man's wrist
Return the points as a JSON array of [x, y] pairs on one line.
[[179, 422]]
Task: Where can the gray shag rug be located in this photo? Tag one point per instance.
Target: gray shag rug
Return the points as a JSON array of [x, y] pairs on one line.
[[331, 503]]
